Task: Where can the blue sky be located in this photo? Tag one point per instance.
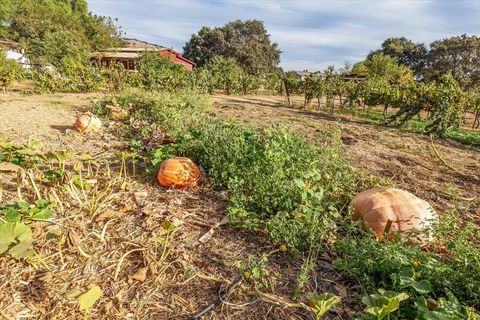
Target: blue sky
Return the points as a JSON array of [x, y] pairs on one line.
[[311, 34]]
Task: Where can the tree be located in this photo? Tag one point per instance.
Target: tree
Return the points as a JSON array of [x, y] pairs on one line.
[[407, 53], [225, 74], [245, 41], [381, 66], [9, 70], [51, 30], [459, 55]]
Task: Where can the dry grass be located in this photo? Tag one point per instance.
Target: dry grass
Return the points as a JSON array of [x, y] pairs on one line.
[[117, 242], [120, 245]]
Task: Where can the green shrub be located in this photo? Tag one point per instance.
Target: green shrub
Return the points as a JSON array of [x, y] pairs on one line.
[[70, 76], [160, 72], [277, 181], [147, 109]]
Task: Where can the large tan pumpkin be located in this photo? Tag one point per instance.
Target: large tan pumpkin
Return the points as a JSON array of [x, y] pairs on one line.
[[87, 122], [178, 172], [405, 211]]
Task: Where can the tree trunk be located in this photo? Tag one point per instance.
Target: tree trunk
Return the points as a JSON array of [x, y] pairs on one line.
[[287, 91], [476, 120]]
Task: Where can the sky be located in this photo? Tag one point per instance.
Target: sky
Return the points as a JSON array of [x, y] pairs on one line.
[[312, 34]]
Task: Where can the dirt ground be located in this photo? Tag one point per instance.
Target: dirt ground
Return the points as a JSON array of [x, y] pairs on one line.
[[141, 277]]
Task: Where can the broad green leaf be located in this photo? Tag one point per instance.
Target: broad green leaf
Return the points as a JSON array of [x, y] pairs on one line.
[[43, 214], [24, 249], [6, 236], [23, 207], [12, 215], [167, 225], [381, 305], [22, 232], [322, 303], [435, 315], [392, 304], [88, 299], [53, 233], [407, 280], [17, 239]]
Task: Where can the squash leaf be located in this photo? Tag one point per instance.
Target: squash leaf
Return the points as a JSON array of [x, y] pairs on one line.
[[381, 305], [323, 302], [406, 277], [17, 238], [88, 299]]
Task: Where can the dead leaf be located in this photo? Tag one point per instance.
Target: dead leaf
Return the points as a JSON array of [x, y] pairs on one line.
[[107, 214], [342, 291], [177, 222], [222, 222], [10, 167], [73, 238], [73, 293], [140, 197], [140, 275], [108, 306], [46, 277], [206, 236]]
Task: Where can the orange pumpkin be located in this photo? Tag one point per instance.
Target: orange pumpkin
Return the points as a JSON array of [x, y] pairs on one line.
[[87, 122], [405, 211], [178, 172]]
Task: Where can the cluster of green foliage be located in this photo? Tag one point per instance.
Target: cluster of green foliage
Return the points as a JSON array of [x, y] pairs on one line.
[[60, 33], [245, 41], [173, 111], [392, 86], [160, 72], [9, 71], [458, 55], [70, 76], [53, 30], [451, 276]]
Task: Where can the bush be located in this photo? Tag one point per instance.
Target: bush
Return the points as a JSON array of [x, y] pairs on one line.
[[70, 76], [161, 73], [277, 181], [9, 71], [172, 110]]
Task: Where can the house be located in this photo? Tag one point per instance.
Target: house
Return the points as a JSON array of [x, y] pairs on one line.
[[15, 52], [301, 75], [351, 76], [132, 52]]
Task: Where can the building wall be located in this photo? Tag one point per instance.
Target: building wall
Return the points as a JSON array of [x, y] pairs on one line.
[[188, 66]]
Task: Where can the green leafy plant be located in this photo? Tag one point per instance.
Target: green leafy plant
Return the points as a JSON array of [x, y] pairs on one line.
[[16, 239], [40, 210], [382, 305], [321, 303]]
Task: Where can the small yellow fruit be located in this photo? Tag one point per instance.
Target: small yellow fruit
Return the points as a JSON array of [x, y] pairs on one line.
[[246, 274], [283, 248], [415, 262]]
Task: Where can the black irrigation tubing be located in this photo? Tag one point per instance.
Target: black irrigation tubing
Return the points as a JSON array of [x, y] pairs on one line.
[[217, 301]]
